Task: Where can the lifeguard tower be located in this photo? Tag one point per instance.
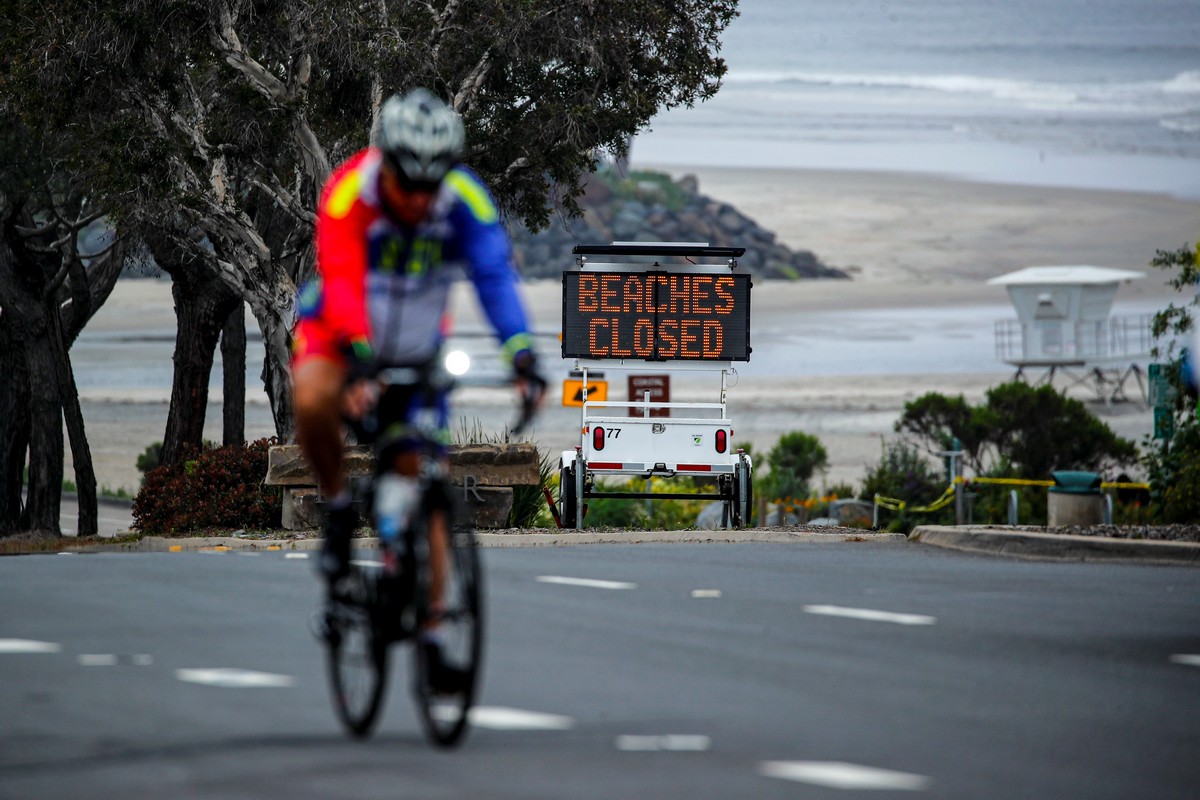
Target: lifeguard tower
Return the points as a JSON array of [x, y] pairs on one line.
[[1064, 324]]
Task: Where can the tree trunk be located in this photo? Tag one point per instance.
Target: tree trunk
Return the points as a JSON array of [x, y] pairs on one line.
[[45, 438], [276, 322], [85, 473], [14, 424], [233, 362], [202, 305]]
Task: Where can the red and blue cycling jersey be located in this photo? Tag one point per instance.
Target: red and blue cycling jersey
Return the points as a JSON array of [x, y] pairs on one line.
[[388, 284]]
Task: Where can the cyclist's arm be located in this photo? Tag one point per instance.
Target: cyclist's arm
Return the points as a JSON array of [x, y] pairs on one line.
[[485, 247], [341, 251]]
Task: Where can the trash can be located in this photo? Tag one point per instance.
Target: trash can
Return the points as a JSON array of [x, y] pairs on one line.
[[1074, 499]]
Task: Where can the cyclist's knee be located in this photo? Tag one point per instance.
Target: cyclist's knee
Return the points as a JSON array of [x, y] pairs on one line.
[[316, 387]]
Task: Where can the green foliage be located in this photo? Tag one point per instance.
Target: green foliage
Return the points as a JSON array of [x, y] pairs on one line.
[[662, 514], [219, 488], [1173, 465], [529, 508], [150, 457], [904, 473], [793, 461], [651, 188], [1030, 431], [937, 420]]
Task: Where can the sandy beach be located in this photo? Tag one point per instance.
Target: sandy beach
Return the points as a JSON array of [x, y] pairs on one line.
[[920, 249]]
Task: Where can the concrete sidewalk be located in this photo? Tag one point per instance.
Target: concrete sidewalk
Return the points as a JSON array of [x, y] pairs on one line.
[[509, 539], [1055, 546]]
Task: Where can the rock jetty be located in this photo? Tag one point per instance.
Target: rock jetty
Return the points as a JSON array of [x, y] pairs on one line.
[[652, 207]]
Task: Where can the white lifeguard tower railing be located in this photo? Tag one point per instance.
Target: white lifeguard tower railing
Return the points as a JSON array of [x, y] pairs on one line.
[[1064, 325]]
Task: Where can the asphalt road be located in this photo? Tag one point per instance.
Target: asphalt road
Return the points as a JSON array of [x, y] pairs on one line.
[[689, 671]]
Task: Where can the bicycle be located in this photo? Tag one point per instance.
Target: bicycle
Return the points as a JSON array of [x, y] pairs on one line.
[[388, 602]]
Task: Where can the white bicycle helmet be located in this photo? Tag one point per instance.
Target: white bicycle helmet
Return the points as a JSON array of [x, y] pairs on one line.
[[420, 136]]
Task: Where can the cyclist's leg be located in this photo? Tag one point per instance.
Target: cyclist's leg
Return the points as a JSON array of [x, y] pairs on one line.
[[438, 407], [426, 417], [318, 380], [317, 390]]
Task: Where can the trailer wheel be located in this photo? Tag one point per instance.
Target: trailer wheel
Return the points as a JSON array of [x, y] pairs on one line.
[[567, 498]]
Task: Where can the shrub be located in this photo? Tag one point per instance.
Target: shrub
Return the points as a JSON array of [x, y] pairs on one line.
[[662, 514], [150, 457], [218, 488], [1174, 463], [1028, 432], [529, 508], [793, 461], [904, 473]]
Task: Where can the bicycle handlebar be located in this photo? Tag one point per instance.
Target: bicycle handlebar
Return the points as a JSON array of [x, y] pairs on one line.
[[531, 388]]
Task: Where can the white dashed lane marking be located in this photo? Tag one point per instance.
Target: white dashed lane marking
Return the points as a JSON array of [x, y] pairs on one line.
[[871, 615], [97, 660], [112, 660], [1187, 659], [500, 718], [587, 582], [674, 742], [840, 775], [8, 646], [712, 593], [296, 555], [228, 678]]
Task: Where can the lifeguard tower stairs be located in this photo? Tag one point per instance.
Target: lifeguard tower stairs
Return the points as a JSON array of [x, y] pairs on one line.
[[1064, 325]]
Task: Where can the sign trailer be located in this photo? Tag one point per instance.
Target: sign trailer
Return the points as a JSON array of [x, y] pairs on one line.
[[660, 307]]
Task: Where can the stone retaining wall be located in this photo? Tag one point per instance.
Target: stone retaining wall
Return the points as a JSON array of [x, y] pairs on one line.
[[485, 474]]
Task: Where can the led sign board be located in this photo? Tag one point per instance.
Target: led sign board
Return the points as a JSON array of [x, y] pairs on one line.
[[656, 316]]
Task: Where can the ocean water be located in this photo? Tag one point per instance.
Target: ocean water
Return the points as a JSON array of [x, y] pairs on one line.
[[1093, 93]]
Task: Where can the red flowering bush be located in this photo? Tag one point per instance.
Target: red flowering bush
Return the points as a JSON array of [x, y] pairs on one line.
[[217, 488]]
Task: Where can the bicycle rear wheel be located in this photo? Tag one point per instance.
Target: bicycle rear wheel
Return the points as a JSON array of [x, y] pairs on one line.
[[458, 632], [357, 651]]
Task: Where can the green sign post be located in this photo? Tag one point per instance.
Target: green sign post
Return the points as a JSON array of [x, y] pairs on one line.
[[1162, 398]]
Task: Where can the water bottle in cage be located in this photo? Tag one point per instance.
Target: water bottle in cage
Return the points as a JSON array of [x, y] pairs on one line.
[[396, 497]]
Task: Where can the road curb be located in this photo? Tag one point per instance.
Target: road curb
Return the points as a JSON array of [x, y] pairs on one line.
[[163, 544], [1055, 546], [676, 537]]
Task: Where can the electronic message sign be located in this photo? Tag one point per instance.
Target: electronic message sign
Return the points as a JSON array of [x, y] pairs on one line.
[[656, 316]]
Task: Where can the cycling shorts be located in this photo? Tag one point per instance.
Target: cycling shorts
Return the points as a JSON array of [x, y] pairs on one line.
[[313, 337]]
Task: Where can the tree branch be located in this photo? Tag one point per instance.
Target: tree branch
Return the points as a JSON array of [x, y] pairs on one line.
[[226, 41], [468, 90]]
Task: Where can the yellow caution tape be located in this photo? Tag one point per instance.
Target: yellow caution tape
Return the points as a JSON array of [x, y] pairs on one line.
[[895, 504]]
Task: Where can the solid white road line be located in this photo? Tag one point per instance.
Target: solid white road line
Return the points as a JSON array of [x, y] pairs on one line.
[[674, 742], [588, 582], [1187, 659], [228, 678], [871, 615], [28, 646], [500, 718], [840, 775], [706, 592]]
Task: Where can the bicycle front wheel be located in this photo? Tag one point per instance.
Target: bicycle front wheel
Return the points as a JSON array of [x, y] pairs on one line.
[[357, 652], [449, 651]]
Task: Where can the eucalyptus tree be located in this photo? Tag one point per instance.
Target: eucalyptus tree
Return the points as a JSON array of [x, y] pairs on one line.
[[50, 286], [216, 123]]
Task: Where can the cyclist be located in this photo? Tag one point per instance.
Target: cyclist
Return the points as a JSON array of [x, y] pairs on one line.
[[392, 221]]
